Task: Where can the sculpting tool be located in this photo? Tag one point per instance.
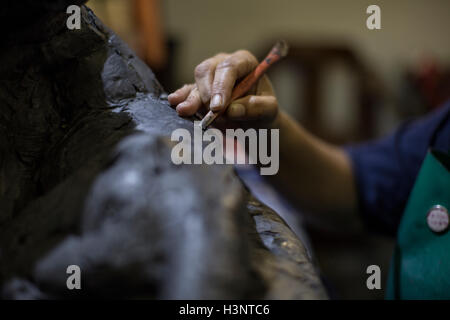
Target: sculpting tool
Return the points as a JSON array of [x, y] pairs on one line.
[[279, 51]]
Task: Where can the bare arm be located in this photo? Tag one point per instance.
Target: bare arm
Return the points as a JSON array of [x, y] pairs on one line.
[[313, 174]]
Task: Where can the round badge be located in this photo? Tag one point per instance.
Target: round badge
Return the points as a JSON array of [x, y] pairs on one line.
[[438, 219]]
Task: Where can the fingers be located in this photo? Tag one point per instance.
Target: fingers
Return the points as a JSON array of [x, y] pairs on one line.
[[204, 76], [226, 73], [180, 95], [215, 79], [260, 107], [186, 99], [253, 108], [192, 103]]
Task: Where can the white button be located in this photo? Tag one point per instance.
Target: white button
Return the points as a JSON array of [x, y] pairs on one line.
[[437, 219]]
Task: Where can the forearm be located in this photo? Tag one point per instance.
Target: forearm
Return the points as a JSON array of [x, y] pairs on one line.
[[313, 174]]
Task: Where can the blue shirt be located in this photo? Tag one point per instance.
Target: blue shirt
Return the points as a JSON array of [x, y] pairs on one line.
[[385, 170]]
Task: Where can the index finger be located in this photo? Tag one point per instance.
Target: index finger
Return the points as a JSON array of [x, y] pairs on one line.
[[227, 72]]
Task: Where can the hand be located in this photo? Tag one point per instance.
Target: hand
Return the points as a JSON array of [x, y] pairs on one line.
[[215, 79]]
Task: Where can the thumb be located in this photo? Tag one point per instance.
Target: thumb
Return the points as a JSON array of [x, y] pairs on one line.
[[262, 108]]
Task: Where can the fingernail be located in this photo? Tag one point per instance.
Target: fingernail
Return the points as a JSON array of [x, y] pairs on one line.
[[216, 103], [236, 110]]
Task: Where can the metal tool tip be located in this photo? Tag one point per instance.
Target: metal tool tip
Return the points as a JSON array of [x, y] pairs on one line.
[[202, 124]]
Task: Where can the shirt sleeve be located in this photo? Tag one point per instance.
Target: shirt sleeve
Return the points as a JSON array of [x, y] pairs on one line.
[[385, 170]]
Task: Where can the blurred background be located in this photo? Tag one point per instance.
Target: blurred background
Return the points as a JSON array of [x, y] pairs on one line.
[[342, 81]]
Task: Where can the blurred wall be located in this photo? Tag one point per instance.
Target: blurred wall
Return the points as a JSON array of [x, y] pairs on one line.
[[410, 28]]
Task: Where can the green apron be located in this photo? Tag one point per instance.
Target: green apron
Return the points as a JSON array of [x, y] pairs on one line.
[[420, 267]]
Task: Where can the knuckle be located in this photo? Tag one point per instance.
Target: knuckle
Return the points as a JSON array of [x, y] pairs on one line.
[[178, 91], [205, 97], [202, 69], [185, 87], [228, 63], [248, 56], [193, 97], [181, 91]]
